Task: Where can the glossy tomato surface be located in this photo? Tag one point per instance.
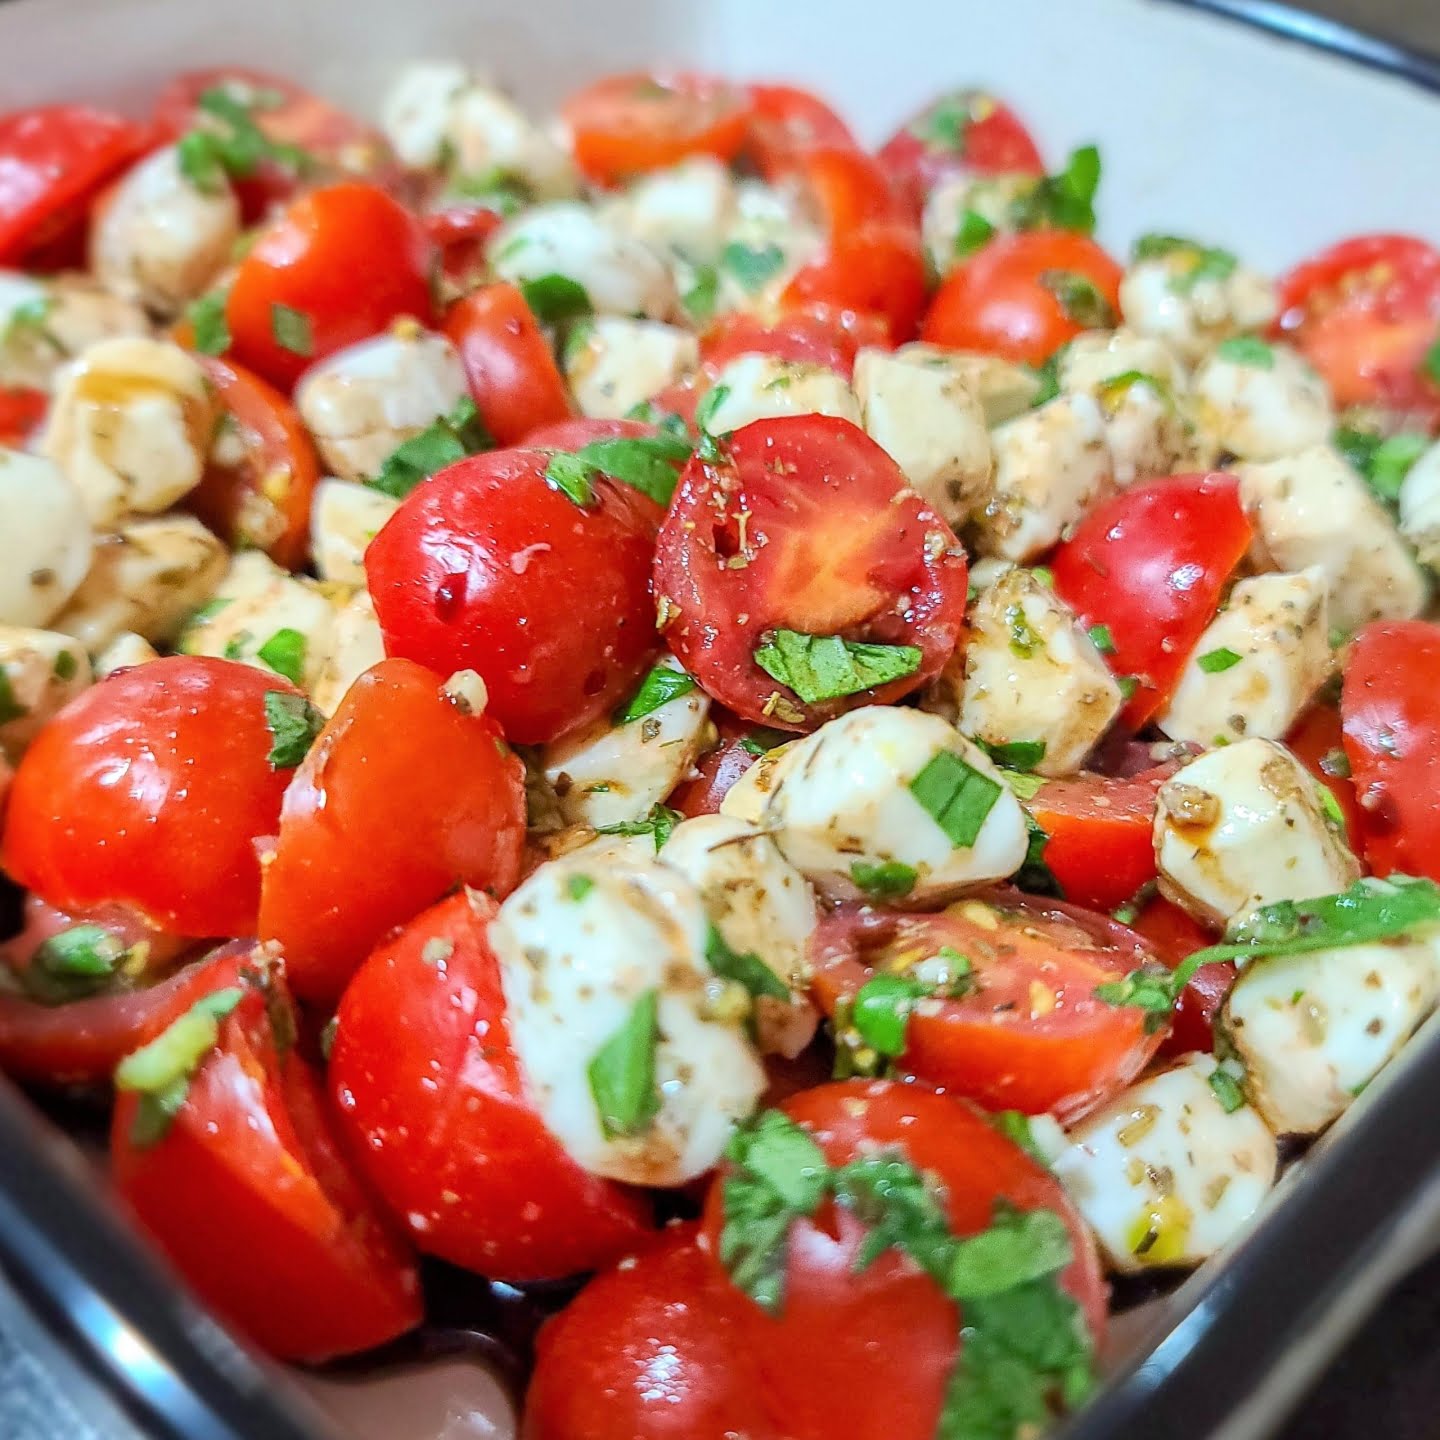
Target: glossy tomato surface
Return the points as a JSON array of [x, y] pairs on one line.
[[786, 124], [1176, 934]]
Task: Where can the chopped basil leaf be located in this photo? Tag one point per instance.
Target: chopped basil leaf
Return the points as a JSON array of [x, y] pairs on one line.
[[234, 148], [553, 299], [1196, 262], [762, 741], [1022, 755], [886, 881], [1023, 787], [662, 685], [945, 124], [700, 299], [444, 441], [208, 323], [291, 329], [956, 795], [294, 723], [65, 665], [1035, 876], [622, 1074], [975, 231], [881, 1011], [1128, 684], [1152, 991], [1048, 375], [650, 464], [659, 824], [1014, 1125], [579, 886], [1111, 393], [1247, 350], [572, 477], [1227, 1090], [497, 189], [752, 267], [10, 707], [1102, 639], [825, 667], [1065, 201], [1079, 298], [1216, 662], [1431, 363], [1384, 462], [284, 653], [73, 963], [713, 399], [748, 969]]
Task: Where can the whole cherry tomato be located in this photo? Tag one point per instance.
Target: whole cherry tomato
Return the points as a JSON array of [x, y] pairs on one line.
[[578, 432]]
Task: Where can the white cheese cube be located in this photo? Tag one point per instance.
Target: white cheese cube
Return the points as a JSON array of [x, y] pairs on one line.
[[614, 363], [1003, 388], [991, 197], [1420, 507], [1262, 407], [760, 387], [355, 645], [747, 798], [685, 209], [40, 671], [344, 518], [45, 322], [1159, 298], [45, 540], [124, 652]]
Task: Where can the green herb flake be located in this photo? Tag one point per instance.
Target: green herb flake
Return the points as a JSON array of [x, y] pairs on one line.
[[579, 886], [762, 741], [956, 795], [659, 824], [747, 969], [294, 723], [88, 951], [703, 295], [445, 440], [554, 299], [1228, 1090], [712, 400], [1048, 377], [10, 707], [1014, 1125], [881, 1010], [1216, 662], [284, 653], [622, 1074], [208, 322], [888, 880], [1112, 393], [1383, 462], [65, 665], [28, 321], [974, 233], [1128, 684], [650, 464], [1079, 298], [1024, 641], [291, 329], [825, 667], [572, 477], [1330, 807], [1021, 755], [752, 266], [1151, 990], [1430, 365], [946, 123], [1065, 201], [662, 685], [1190, 262], [1102, 639], [1247, 350], [1335, 763]]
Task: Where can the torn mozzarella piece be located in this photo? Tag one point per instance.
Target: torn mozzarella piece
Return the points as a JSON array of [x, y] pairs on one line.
[[685, 209], [761, 387], [45, 322], [124, 652], [1259, 409], [45, 540], [355, 645], [614, 364], [1420, 507], [344, 518], [40, 671], [1158, 299]]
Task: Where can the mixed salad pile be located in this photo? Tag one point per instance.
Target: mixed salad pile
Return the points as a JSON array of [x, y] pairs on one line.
[[668, 698]]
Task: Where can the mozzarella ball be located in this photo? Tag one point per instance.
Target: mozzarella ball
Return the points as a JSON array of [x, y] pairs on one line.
[[1312, 1030], [344, 518], [582, 951], [685, 209], [1051, 465], [614, 364], [124, 652], [1312, 509], [45, 540], [608, 773], [1262, 407], [131, 427], [762, 906], [991, 197], [45, 322], [355, 645], [1158, 297], [1163, 1175], [760, 387], [40, 672], [850, 801], [1033, 674], [365, 401], [1243, 826], [1420, 507], [619, 274], [915, 403]]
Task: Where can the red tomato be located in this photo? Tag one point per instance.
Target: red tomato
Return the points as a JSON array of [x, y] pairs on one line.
[[430, 1092], [53, 161], [1366, 312], [264, 499], [1151, 563], [489, 567], [963, 131], [577, 433], [508, 362], [786, 124], [459, 233], [438, 798], [1031, 1036], [1175, 934], [1006, 300], [719, 768], [820, 337], [1392, 737], [627, 124], [250, 1154], [150, 790], [877, 269], [337, 267], [21, 411], [1317, 741], [830, 540]]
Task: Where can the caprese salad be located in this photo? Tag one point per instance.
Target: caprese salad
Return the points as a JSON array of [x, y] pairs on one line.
[[557, 676]]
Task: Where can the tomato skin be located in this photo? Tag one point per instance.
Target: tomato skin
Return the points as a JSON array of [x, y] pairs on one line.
[[266, 499], [347, 257], [53, 161], [1151, 563], [577, 433], [786, 124], [21, 412], [514, 380], [250, 1153], [488, 567], [174, 841], [459, 233], [439, 798], [1175, 934], [1392, 739], [820, 336], [996, 302], [876, 269], [1317, 740], [835, 539], [432, 1098], [716, 770]]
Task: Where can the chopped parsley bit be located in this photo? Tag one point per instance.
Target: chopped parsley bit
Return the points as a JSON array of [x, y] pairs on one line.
[[662, 685], [1111, 393], [291, 329], [650, 464], [974, 232], [553, 299], [748, 970], [750, 266], [1336, 763], [1227, 1089], [73, 963], [1065, 201], [579, 886], [10, 707], [887, 881], [65, 665], [1102, 639], [1431, 363], [234, 149], [1330, 807], [1383, 462], [445, 440], [1247, 350], [208, 323], [659, 824], [294, 723], [622, 1074], [701, 298], [1196, 262], [1024, 642], [1021, 755], [762, 741], [1048, 376], [1079, 298], [284, 653], [956, 795], [1128, 684], [713, 399], [825, 667], [1216, 662]]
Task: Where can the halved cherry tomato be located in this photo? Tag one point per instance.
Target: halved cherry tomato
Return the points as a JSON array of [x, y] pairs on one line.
[[821, 336], [876, 269], [786, 124], [149, 790], [1030, 1035], [582, 430], [459, 233], [53, 161], [487, 566], [1151, 564], [738, 748], [337, 267], [1318, 742], [627, 124], [805, 524], [1392, 738], [513, 377], [1176, 934], [1365, 313], [404, 795], [259, 493], [963, 131], [848, 189], [250, 1153], [21, 411], [1017, 296], [432, 1096]]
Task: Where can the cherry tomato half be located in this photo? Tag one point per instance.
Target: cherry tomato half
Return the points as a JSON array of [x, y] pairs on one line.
[[738, 746], [819, 336], [786, 124], [459, 233], [21, 411], [1318, 742], [1176, 934]]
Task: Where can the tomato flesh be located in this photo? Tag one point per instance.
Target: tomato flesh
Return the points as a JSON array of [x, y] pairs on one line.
[[1176, 934]]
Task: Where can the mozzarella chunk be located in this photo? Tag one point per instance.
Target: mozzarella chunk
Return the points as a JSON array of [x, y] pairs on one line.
[[1005, 390], [1257, 665], [355, 645], [1157, 299], [1051, 465], [991, 197], [843, 804], [40, 671], [1312, 509], [146, 578], [579, 948], [614, 363], [916, 404], [1260, 411], [621, 275], [1420, 507], [363, 402], [1033, 674], [608, 773], [344, 518], [45, 541], [160, 238], [1163, 1175], [1313, 1030], [45, 322], [267, 618], [124, 652], [762, 906], [686, 209], [747, 798], [760, 387], [131, 427], [1243, 826]]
